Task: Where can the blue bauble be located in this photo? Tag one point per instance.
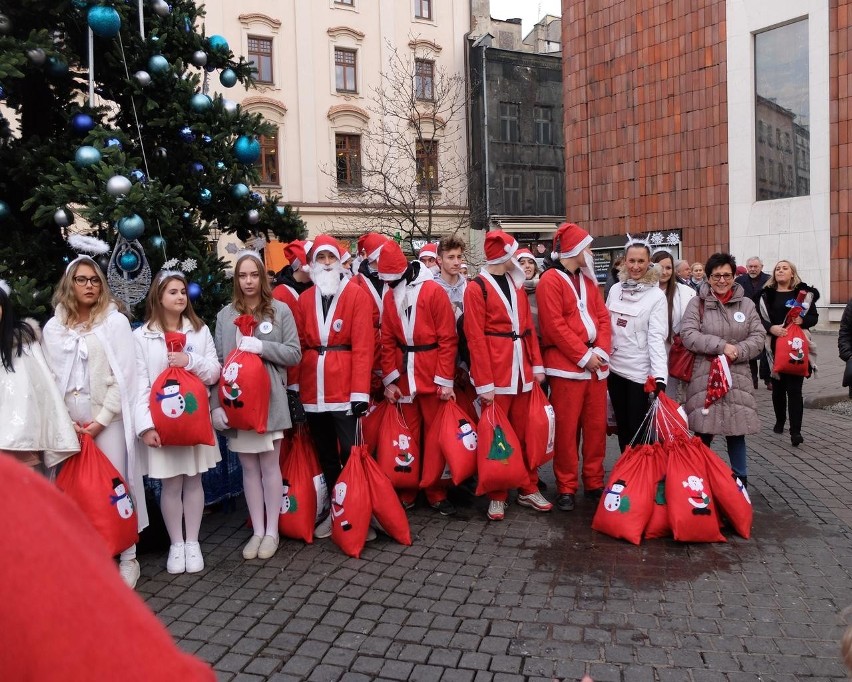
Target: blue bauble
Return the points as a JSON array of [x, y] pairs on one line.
[[56, 67], [186, 215], [104, 21], [257, 197], [281, 210], [86, 156], [228, 78], [158, 242], [239, 191], [186, 134], [196, 167], [82, 123], [128, 261], [158, 64], [216, 42], [2, 92], [193, 290], [114, 142], [247, 149], [79, 4], [206, 139], [138, 175], [205, 196], [220, 165], [131, 227], [5, 211], [200, 103]]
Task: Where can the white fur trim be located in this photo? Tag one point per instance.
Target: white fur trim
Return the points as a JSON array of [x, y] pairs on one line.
[[391, 276], [83, 243], [510, 251], [326, 247], [582, 244]]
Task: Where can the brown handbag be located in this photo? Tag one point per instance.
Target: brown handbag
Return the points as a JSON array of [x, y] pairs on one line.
[[682, 360]]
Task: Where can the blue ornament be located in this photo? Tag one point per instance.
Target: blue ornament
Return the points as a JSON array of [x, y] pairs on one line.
[[205, 196], [158, 242], [220, 165], [82, 123], [206, 139], [154, 39], [200, 103], [2, 92], [216, 42], [186, 215], [186, 134], [257, 197], [281, 210], [114, 142], [104, 21], [56, 67], [193, 290], [239, 191], [131, 227], [228, 78], [209, 68], [187, 27], [86, 156], [196, 167], [158, 64], [5, 211], [138, 175], [79, 4], [128, 261], [247, 149]]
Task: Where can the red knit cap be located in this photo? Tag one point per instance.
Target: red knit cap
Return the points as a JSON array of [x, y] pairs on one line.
[[325, 242], [370, 244], [392, 262], [499, 247], [569, 241]]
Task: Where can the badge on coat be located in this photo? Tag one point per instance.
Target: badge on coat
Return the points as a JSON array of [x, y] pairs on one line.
[[338, 325], [739, 316], [265, 327]]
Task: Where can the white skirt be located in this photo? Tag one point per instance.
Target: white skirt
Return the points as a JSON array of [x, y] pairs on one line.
[[179, 460], [254, 442]]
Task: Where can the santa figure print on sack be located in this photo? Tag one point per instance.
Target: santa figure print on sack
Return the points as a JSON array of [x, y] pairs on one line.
[[231, 390]]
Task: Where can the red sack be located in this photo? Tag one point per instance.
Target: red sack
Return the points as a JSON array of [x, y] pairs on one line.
[[397, 452], [371, 423], [351, 506], [435, 467], [669, 419], [730, 493], [628, 499], [179, 404], [792, 353], [658, 525], [305, 498], [90, 479], [692, 509], [244, 385], [499, 456], [387, 508], [540, 436], [457, 437]]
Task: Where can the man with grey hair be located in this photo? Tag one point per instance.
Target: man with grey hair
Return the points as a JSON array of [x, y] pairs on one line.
[[682, 272], [752, 283]]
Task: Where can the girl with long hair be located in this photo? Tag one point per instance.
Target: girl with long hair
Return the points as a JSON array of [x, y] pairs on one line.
[[276, 341], [179, 467], [89, 347]]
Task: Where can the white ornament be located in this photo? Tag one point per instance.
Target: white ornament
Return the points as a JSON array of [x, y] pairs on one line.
[[672, 238], [656, 238], [170, 264], [118, 185], [160, 7], [189, 265]]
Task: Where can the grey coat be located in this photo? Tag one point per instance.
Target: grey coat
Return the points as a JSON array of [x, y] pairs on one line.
[[735, 414], [281, 349]]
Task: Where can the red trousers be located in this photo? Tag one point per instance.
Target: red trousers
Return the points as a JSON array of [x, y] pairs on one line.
[[419, 415], [580, 407], [517, 409]]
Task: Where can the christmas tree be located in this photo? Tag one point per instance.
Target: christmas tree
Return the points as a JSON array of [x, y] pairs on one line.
[[107, 128]]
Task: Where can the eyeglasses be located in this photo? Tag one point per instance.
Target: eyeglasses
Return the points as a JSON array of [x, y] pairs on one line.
[[81, 281], [724, 275]]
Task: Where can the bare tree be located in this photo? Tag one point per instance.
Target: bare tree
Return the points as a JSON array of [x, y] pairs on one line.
[[413, 178]]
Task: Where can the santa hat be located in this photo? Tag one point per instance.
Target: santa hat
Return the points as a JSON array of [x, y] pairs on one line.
[[499, 247], [392, 263], [718, 382], [523, 253], [463, 267], [569, 241], [325, 242], [295, 253], [430, 250], [370, 245]]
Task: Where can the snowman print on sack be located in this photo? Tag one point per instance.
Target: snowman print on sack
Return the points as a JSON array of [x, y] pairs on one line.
[[231, 390], [120, 499], [337, 511], [173, 403], [288, 501], [615, 499], [404, 459], [467, 435], [699, 499]]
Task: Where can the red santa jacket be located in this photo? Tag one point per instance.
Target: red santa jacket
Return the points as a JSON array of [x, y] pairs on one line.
[[288, 296], [337, 349], [418, 349], [573, 325], [504, 351], [377, 300]]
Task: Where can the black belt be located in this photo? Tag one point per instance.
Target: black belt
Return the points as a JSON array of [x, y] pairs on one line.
[[414, 349], [322, 349], [509, 335]]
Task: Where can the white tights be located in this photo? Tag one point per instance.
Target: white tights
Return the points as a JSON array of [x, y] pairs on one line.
[[182, 499], [263, 487]]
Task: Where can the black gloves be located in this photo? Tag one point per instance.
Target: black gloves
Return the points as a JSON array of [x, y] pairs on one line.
[[359, 409], [297, 410], [661, 388]]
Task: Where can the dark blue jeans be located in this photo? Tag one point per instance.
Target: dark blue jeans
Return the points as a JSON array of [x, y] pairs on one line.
[[736, 452]]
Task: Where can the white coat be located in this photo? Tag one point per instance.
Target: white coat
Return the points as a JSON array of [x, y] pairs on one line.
[[683, 295]]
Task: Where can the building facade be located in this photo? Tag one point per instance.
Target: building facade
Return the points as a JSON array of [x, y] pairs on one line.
[[724, 120]]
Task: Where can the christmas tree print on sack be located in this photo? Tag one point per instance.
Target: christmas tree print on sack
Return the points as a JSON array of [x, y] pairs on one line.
[[628, 500], [244, 385], [179, 406], [499, 456]]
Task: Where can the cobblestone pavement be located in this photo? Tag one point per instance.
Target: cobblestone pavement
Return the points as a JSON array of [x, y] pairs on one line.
[[542, 596]]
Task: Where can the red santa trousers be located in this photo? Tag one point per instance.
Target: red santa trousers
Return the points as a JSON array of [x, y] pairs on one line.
[[419, 415], [517, 408], [580, 407]]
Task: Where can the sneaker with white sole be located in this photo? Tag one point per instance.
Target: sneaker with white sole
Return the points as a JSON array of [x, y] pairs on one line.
[[496, 510], [177, 558], [323, 530], [194, 559], [130, 572], [535, 501]]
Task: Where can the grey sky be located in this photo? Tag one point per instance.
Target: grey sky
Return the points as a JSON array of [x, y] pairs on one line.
[[781, 67], [527, 10]]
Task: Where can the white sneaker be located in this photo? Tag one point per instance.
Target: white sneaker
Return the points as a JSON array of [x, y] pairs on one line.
[[323, 530], [177, 558], [496, 510], [535, 501], [130, 572], [194, 560]]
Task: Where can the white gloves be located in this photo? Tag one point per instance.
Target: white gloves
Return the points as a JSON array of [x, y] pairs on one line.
[[250, 344], [219, 419]]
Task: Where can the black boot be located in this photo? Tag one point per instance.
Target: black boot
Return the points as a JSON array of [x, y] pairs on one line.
[[796, 439]]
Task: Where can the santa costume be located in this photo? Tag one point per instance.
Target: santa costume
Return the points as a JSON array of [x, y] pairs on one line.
[[504, 352], [290, 289], [575, 327], [418, 349], [367, 277]]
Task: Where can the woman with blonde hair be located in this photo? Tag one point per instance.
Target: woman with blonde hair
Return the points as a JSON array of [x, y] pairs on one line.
[[89, 347], [276, 341], [179, 467]]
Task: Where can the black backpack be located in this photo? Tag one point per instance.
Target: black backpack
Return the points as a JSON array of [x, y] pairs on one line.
[[464, 351]]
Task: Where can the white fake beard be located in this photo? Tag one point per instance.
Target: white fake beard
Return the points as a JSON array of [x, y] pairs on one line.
[[516, 272], [327, 277], [435, 269], [400, 295], [589, 268]]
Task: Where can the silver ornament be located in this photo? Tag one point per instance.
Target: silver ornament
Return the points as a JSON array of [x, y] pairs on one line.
[[160, 7], [199, 58], [230, 106], [5, 25], [118, 185], [253, 216], [62, 217], [36, 56], [130, 287], [143, 78]]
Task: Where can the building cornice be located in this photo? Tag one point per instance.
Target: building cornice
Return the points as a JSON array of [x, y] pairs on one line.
[[423, 44], [258, 18], [337, 31], [339, 110], [256, 101]]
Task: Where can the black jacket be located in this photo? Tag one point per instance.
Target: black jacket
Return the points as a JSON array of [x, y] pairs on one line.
[[767, 297], [285, 276], [844, 339], [752, 289]]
